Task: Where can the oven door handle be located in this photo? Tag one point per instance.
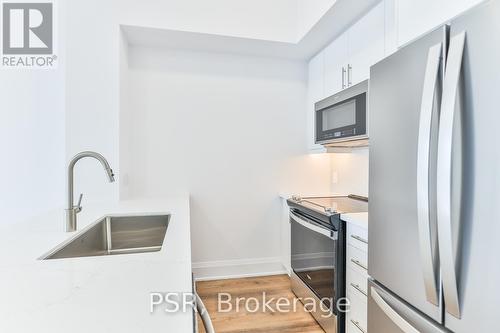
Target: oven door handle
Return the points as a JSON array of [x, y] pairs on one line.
[[333, 235]]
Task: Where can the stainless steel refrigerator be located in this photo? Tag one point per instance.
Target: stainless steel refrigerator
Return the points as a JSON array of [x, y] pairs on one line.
[[434, 221]]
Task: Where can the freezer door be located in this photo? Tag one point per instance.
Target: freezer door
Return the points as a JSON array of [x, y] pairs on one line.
[[472, 243], [389, 314], [404, 105]]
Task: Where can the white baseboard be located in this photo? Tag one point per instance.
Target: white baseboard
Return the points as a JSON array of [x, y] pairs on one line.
[[231, 269]]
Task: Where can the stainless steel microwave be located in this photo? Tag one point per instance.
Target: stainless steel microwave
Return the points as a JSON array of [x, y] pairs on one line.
[[343, 117]]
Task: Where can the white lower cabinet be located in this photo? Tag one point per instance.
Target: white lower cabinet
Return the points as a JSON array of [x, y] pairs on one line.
[[357, 279], [357, 237], [357, 318]]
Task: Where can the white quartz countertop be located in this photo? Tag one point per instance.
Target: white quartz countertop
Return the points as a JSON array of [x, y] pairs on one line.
[[93, 294], [359, 219]]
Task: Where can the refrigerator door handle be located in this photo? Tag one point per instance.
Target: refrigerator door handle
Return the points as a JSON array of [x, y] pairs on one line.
[[391, 313], [427, 240], [451, 88]]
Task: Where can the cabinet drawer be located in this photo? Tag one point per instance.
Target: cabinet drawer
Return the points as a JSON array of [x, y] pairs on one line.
[[357, 260], [357, 283], [358, 313], [357, 237]]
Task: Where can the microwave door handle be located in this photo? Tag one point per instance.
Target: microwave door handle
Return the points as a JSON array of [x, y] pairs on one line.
[[325, 232], [427, 240], [451, 92]]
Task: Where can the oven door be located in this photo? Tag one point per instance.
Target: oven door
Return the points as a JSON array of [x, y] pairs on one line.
[[314, 257]]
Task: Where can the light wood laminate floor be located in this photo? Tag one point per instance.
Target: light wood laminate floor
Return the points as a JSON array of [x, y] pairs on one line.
[[278, 286]]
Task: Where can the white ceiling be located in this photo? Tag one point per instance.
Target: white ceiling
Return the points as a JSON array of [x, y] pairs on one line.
[[317, 23]]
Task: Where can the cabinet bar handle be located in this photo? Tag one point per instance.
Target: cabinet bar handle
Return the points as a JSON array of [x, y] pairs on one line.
[[359, 239], [356, 323], [358, 288], [358, 263], [343, 77], [349, 74]]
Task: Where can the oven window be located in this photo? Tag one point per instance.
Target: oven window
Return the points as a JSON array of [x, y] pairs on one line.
[[340, 116], [314, 261]]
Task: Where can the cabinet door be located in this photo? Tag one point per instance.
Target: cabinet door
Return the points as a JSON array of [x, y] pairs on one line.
[[366, 43], [415, 18], [315, 92], [336, 58]]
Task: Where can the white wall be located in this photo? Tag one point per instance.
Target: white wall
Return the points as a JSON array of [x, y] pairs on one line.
[[92, 73], [31, 142], [228, 129], [32, 139]]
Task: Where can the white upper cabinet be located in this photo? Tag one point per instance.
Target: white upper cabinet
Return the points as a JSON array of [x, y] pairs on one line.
[[315, 80], [315, 92], [336, 59], [349, 57], [347, 60], [366, 44], [415, 18]]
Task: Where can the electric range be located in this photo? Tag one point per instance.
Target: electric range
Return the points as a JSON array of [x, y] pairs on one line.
[[318, 251]]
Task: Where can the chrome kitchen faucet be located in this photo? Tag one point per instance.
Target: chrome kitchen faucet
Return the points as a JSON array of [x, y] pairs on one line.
[[72, 209]]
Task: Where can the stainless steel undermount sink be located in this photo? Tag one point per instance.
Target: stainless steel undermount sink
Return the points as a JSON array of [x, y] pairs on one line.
[[116, 235]]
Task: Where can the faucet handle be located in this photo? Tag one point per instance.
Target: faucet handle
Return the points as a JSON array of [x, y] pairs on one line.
[[79, 204]]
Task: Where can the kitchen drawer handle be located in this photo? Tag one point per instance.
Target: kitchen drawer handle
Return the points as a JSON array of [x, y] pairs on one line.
[[356, 323], [356, 237], [358, 263], [358, 288]]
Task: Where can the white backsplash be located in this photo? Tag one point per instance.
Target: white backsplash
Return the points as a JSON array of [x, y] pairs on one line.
[[349, 172]]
